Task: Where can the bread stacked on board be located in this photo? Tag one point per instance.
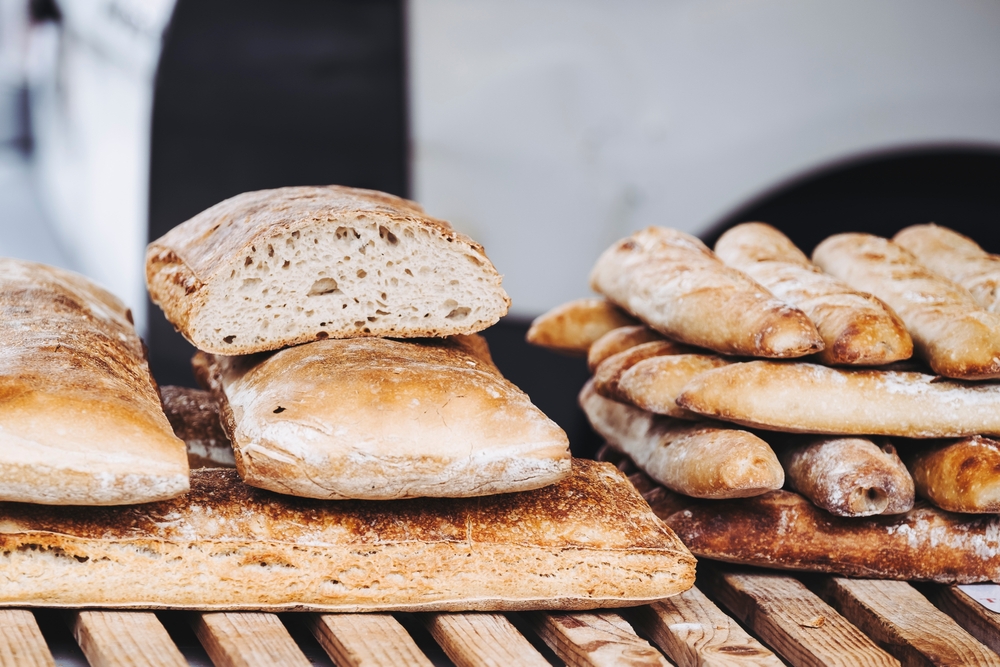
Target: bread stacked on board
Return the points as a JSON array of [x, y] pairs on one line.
[[786, 412]]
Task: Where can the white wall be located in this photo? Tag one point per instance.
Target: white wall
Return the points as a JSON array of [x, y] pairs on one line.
[[546, 129]]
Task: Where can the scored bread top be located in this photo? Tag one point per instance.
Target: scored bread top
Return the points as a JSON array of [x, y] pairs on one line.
[[272, 268]]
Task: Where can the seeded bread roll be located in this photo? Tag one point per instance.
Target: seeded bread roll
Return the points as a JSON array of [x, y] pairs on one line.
[[962, 476], [619, 340], [609, 372], [573, 327], [273, 268], [856, 327], [951, 331], [80, 419], [194, 416], [676, 285], [654, 384]]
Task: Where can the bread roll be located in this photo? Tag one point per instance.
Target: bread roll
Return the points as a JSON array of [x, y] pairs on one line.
[[672, 282], [588, 541], [848, 476], [194, 416], [962, 476], [703, 460], [376, 419], [268, 269], [654, 384], [573, 327], [81, 421], [953, 333], [957, 258], [619, 340], [784, 531], [609, 372], [856, 327], [808, 398]]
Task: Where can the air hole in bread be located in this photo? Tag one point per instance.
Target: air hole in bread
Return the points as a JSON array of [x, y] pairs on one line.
[[278, 410], [248, 262], [229, 339], [324, 286], [286, 264], [384, 233], [458, 313], [295, 235], [321, 335], [362, 273]]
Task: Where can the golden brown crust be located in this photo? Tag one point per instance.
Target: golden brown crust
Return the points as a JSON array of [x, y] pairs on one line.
[[589, 541], [609, 372], [619, 340], [194, 416], [654, 384], [784, 531], [574, 326], [960, 476]]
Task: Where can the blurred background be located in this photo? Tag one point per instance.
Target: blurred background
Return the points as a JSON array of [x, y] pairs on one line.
[[545, 129]]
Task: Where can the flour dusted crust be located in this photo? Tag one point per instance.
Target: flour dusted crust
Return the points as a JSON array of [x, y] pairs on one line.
[[194, 416], [960, 476], [574, 326], [610, 371], [589, 541], [80, 419], [373, 418], [272, 268], [856, 327], [619, 340], [654, 384], [675, 284]]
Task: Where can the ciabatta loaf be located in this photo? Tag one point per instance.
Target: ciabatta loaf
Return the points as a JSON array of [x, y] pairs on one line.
[[80, 419], [856, 327], [654, 384], [809, 398], [952, 332], [373, 418], [589, 541], [676, 285], [610, 371], [194, 416], [619, 340], [573, 327], [784, 531], [957, 258], [268, 269], [960, 476]]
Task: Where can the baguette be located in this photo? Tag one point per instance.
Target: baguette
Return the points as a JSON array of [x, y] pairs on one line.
[[588, 541], [951, 331], [671, 280], [379, 419], [268, 269], [856, 327], [957, 258], [81, 422], [609, 372], [571, 328], [808, 398], [194, 416], [703, 460], [654, 384], [962, 476], [784, 531], [619, 340], [849, 476]]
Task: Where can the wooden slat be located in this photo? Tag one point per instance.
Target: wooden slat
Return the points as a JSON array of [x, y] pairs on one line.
[[247, 639], [129, 638], [905, 623], [366, 640], [795, 622], [598, 639], [483, 640], [981, 623], [693, 632], [21, 641]]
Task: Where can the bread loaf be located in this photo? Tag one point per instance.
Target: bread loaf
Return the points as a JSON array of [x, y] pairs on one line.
[[957, 258], [808, 398], [784, 531], [856, 327], [373, 418], [962, 476], [951, 331], [619, 340], [609, 372], [654, 384], [848, 476], [81, 421], [703, 459], [676, 285], [573, 327], [588, 541], [194, 416], [268, 269]]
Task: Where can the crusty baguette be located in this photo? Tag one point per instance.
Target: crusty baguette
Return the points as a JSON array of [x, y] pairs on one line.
[[784, 531], [373, 418], [194, 416], [951, 331], [856, 327], [960, 476], [609, 372], [268, 269], [573, 327], [654, 384], [957, 258], [848, 476], [589, 541], [676, 285], [703, 459], [619, 340], [81, 422], [808, 398]]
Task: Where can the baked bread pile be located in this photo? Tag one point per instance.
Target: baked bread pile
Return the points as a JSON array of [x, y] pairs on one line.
[[786, 412]]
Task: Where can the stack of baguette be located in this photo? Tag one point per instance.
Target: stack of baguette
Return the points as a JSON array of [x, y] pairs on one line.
[[382, 462], [825, 395]]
